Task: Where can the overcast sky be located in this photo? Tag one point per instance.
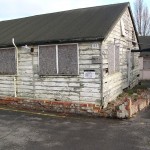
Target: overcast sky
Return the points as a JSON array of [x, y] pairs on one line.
[[11, 9]]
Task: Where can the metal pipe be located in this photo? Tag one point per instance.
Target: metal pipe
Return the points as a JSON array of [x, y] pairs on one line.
[[15, 77], [13, 41]]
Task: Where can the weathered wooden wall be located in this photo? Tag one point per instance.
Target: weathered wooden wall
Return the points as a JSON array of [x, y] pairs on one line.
[[116, 82], [7, 85], [69, 88]]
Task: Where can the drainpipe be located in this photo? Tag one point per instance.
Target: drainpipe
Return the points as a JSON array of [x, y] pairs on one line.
[[15, 77], [101, 75]]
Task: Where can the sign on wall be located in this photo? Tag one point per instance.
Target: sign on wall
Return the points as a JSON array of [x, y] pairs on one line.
[[89, 74]]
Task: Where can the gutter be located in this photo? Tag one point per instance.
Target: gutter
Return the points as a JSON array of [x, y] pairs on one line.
[[146, 50], [82, 39]]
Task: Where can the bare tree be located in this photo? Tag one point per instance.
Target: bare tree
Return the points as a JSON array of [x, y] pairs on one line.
[[142, 17]]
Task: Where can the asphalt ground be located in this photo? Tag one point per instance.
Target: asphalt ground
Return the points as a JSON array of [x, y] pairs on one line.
[[27, 131]]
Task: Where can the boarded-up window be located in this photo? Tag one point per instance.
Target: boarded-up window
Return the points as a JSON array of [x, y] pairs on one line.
[[67, 59], [58, 60], [146, 64], [47, 60], [113, 59], [7, 61]]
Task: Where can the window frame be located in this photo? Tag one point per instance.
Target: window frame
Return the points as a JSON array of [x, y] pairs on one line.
[[15, 74], [57, 64]]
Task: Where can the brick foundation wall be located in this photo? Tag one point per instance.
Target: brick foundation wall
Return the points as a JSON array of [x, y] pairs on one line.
[[131, 106], [126, 107], [51, 106]]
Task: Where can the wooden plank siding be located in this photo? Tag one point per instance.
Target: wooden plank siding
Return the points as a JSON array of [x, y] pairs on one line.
[[115, 83], [7, 85], [69, 88]]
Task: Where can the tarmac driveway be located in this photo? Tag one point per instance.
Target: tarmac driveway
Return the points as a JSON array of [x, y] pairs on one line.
[[23, 131]]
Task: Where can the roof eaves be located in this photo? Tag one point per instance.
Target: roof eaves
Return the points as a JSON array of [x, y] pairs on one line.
[[83, 39]]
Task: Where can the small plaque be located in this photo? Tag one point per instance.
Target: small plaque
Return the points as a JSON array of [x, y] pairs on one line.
[[89, 74], [95, 46]]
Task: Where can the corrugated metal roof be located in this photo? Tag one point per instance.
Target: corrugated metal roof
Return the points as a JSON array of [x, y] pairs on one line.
[[145, 45], [92, 23], [144, 42]]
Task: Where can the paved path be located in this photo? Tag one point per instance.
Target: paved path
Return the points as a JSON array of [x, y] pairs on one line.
[[22, 131]]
